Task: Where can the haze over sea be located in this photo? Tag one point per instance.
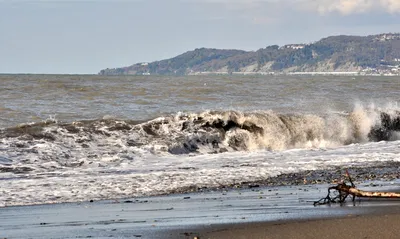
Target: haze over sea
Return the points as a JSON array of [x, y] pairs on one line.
[[67, 138]]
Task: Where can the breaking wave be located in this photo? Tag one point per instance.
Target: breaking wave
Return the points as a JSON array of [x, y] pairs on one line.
[[201, 133], [53, 161]]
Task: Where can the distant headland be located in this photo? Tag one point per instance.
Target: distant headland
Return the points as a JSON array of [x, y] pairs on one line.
[[347, 55]]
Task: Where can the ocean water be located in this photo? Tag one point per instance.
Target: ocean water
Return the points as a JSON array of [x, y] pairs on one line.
[[66, 138]]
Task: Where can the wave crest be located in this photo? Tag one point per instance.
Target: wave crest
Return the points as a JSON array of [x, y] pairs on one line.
[[220, 131], [205, 132]]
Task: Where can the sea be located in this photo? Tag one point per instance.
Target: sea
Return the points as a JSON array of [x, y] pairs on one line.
[[70, 138]]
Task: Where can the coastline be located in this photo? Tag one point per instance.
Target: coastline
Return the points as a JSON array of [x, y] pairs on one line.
[[385, 171], [259, 212]]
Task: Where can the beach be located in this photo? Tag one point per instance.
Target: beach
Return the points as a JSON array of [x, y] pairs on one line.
[[256, 212]]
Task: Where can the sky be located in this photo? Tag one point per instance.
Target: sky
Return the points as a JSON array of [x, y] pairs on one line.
[[83, 37]]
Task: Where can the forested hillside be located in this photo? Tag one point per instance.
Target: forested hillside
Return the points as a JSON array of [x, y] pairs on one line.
[[334, 53]]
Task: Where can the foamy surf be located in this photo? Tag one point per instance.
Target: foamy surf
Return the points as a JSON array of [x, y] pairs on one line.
[[200, 133], [53, 161]]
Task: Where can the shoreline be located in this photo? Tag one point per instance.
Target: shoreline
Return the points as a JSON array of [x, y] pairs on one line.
[[383, 172], [212, 214]]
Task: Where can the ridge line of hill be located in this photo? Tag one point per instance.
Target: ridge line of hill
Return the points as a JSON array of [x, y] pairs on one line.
[[373, 54]]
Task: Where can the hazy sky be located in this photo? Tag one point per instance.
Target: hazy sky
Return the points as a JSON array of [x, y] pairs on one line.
[[87, 36]]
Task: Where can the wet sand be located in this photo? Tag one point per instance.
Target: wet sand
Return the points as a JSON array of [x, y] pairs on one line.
[[257, 212], [352, 226]]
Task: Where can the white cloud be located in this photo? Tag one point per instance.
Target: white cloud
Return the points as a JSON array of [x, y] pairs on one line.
[[392, 6], [348, 7], [323, 7], [344, 7]]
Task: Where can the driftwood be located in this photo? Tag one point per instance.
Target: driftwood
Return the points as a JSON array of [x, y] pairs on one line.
[[345, 190]]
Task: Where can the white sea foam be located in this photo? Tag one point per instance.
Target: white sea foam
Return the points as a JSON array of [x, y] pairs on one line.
[[152, 175]]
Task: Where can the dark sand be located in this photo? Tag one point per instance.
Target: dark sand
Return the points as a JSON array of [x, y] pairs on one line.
[[260, 212], [352, 226]]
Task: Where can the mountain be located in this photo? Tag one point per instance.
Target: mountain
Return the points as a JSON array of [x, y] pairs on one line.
[[374, 53]]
